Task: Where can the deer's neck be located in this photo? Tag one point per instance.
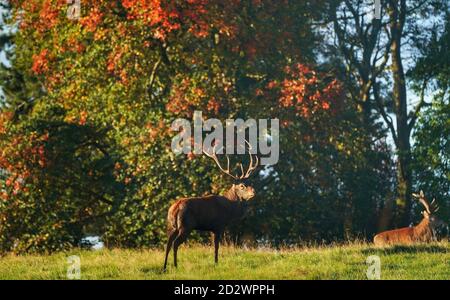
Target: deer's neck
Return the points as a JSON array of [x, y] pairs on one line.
[[423, 228], [237, 208], [231, 195]]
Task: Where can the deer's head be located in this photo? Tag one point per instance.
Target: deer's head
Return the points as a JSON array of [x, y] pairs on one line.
[[430, 210], [239, 190], [243, 192]]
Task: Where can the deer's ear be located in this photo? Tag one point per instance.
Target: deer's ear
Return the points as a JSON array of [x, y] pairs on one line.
[[421, 193], [415, 195]]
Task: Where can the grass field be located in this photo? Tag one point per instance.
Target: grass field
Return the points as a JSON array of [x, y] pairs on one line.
[[196, 262]]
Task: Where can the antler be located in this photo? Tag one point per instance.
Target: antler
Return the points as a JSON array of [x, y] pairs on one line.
[[251, 167], [216, 160], [434, 206], [421, 198], [244, 175]]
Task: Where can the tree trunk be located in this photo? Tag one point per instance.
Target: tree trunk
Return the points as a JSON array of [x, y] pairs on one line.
[[404, 174], [365, 107]]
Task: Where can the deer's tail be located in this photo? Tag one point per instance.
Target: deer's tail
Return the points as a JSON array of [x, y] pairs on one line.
[[173, 218]]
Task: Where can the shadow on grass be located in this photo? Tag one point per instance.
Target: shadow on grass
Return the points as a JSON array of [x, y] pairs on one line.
[[407, 249], [153, 270]]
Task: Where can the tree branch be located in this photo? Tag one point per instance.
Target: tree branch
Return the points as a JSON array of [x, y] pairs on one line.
[[383, 113], [415, 113], [100, 198], [153, 73]]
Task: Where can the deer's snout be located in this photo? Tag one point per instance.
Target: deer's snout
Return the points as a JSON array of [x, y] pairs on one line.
[[251, 192]]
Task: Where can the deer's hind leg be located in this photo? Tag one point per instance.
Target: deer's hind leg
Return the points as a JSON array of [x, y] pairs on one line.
[[217, 237], [172, 235], [181, 238]]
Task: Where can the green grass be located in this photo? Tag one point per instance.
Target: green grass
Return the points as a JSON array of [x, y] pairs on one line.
[[196, 262]]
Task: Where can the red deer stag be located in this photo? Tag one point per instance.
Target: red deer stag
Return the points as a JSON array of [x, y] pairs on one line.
[[210, 213], [423, 232]]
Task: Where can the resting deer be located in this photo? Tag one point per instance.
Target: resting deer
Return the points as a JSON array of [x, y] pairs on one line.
[[423, 232], [210, 213]]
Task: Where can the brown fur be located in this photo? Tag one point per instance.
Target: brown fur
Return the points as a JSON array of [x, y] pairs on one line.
[[405, 236], [422, 232], [210, 213]]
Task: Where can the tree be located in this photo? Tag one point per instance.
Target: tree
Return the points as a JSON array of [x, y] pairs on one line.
[[124, 71], [431, 146], [58, 177], [18, 89], [5, 34], [374, 54]]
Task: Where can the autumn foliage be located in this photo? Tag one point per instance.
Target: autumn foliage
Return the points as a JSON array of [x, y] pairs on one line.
[[116, 78]]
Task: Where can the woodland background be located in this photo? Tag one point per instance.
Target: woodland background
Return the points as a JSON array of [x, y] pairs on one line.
[[86, 106]]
